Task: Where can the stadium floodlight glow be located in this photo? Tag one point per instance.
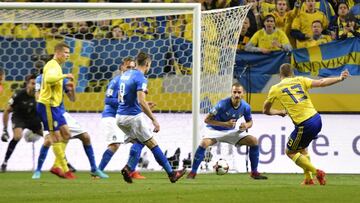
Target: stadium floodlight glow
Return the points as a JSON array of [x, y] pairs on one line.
[[214, 36]]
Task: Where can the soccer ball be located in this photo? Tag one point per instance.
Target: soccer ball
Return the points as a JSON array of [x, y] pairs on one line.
[[29, 136], [221, 167]]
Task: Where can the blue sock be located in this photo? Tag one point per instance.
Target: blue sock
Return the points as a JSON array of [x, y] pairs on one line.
[[254, 157], [198, 158], [161, 159], [42, 156], [105, 159], [90, 154], [134, 156]]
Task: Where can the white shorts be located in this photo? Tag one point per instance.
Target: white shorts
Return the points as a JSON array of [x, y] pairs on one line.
[[74, 127], [228, 136], [112, 131], [135, 127]]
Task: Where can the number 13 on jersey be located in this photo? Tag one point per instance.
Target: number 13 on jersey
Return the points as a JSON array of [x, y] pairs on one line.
[[295, 90]]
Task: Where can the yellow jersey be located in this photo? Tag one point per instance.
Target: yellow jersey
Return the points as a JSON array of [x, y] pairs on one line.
[[293, 95], [51, 91], [262, 39]]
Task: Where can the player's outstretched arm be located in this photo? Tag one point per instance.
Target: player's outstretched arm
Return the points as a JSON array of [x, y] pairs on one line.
[[330, 81], [146, 109], [270, 111]]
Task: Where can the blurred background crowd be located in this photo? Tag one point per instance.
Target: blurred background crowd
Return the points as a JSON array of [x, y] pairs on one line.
[[270, 25]]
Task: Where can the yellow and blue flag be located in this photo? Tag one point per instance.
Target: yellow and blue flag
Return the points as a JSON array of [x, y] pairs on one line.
[[329, 59]]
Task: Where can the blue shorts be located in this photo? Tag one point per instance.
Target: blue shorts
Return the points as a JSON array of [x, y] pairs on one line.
[[51, 117], [304, 133]]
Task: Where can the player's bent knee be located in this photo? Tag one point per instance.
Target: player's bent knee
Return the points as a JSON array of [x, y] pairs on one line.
[[206, 142], [114, 147], [85, 138], [47, 141], [151, 143]]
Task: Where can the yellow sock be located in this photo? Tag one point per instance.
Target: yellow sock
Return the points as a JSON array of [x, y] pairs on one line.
[[60, 156], [64, 161], [304, 162], [57, 152], [308, 174]]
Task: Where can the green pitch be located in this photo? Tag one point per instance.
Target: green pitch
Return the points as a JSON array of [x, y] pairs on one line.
[[19, 187]]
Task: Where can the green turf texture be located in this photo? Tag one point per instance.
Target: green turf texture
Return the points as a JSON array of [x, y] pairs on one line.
[[19, 187]]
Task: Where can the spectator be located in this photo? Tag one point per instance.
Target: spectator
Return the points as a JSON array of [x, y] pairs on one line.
[[116, 33], [317, 38], [284, 17], [69, 29], [26, 30], [351, 29], [244, 35], [6, 30], [337, 25], [84, 31], [254, 17], [103, 27], [268, 39], [301, 26], [355, 10], [267, 7]]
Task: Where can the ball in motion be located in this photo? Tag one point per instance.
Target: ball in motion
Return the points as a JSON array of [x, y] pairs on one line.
[[221, 167]]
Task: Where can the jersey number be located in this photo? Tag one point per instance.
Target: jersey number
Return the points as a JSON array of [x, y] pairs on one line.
[[298, 91], [121, 92]]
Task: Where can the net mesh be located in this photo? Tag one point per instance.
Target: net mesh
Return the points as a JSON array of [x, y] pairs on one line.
[[220, 34]]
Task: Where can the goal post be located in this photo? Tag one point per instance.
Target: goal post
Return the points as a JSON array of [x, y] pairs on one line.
[[201, 62]]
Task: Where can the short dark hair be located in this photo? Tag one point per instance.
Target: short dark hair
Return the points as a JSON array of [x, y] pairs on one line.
[[30, 77], [236, 84], [142, 58], [350, 17], [27, 79], [60, 46], [317, 21], [286, 70], [126, 59]]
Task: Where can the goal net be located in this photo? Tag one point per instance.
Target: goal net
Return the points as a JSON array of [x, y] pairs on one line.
[[184, 80]]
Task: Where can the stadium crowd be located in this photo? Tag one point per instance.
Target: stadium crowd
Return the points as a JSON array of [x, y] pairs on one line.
[[278, 23]]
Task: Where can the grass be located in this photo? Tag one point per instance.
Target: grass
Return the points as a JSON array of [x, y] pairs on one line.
[[19, 187]]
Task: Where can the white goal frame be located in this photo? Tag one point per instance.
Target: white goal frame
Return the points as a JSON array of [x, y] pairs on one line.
[[196, 12]]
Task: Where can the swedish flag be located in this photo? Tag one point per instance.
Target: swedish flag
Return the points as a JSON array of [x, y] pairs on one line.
[[329, 59]]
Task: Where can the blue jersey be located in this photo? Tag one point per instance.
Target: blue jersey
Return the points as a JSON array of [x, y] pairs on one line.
[[224, 111], [131, 82], [111, 98], [38, 86]]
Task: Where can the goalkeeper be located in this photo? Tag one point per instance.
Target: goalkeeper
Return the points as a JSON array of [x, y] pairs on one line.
[[22, 105]]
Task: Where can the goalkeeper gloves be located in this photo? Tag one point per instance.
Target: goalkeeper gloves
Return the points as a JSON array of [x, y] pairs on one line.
[[5, 135]]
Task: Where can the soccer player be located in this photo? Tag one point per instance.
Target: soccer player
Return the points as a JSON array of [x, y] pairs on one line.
[[23, 107], [76, 132], [221, 127], [114, 136], [292, 93], [50, 99], [130, 115]]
